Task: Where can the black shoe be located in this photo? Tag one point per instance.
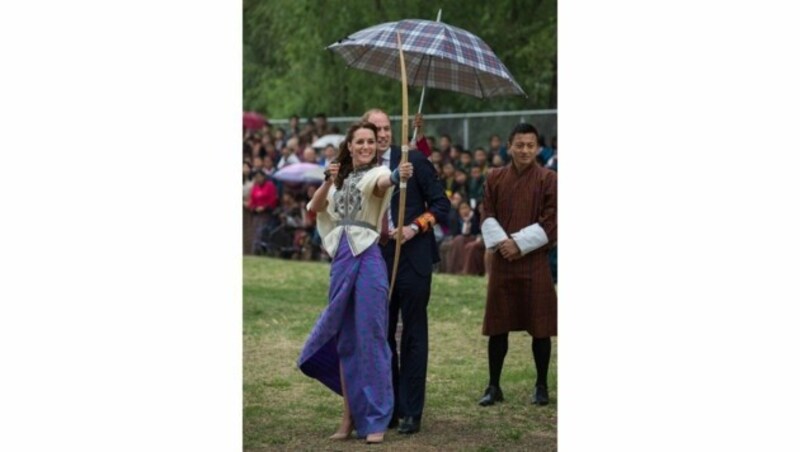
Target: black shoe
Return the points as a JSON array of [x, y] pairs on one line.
[[540, 396], [490, 396], [409, 425], [393, 423]]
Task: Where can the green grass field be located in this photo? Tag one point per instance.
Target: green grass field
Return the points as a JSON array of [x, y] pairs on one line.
[[285, 410]]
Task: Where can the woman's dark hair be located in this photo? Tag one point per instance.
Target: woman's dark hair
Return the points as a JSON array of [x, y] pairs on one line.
[[344, 158]]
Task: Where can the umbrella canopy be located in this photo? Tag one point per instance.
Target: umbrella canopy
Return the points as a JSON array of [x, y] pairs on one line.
[[301, 172], [325, 140], [253, 120], [437, 55]]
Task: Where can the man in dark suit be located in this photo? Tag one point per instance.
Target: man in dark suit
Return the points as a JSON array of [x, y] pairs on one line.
[[426, 205]]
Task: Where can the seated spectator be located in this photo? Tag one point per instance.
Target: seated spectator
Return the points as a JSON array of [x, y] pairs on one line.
[[475, 253], [461, 182], [435, 157], [438, 168], [475, 185], [468, 228], [464, 161], [497, 161], [480, 158], [450, 231], [449, 179]]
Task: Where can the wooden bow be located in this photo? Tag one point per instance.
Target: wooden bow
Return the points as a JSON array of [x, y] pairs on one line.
[[401, 208]]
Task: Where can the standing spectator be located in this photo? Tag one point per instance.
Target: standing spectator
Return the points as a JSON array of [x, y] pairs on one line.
[[552, 163], [269, 166], [294, 127], [329, 154], [520, 225], [263, 199], [280, 138], [321, 125], [444, 148], [310, 155], [496, 148], [432, 144], [288, 156], [258, 164], [247, 219]]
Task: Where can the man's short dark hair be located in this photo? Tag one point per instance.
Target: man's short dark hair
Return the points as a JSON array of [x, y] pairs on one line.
[[523, 128]]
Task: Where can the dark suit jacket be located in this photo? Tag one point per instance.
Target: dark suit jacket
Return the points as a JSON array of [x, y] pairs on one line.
[[424, 192]]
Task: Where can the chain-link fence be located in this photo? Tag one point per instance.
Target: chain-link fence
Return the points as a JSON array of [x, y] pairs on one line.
[[470, 130]]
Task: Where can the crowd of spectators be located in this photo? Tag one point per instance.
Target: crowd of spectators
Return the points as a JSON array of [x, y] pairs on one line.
[[276, 222]]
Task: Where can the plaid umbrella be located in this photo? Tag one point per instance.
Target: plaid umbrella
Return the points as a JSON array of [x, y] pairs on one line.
[[437, 55]]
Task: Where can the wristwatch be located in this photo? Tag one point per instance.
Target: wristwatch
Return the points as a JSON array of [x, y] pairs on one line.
[[414, 227]]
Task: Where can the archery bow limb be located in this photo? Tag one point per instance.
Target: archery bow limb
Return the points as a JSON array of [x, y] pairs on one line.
[[401, 210]]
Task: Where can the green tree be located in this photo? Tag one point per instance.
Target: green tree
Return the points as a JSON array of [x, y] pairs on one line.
[[287, 69]]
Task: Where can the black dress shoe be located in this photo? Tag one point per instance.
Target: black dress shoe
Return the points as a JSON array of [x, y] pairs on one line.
[[409, 425], [490, 396], [540, 396], [393, 423]]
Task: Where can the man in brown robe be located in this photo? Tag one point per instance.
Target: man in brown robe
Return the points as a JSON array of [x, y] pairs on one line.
[[519, 226]]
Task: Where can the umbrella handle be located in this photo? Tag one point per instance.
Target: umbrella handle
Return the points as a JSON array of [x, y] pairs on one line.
[[419, 110], [424, 87]]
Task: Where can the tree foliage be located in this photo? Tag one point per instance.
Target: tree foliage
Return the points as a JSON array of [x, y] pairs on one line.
[[287, 69]]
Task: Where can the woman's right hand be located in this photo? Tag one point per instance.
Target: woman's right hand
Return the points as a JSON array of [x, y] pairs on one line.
[[333, 170]]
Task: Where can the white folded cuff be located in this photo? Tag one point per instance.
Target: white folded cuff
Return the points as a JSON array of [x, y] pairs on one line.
[[530, 238], [492, 233]]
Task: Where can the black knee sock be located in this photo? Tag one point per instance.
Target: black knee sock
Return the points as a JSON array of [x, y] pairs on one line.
[[498, 346], [541, 356]]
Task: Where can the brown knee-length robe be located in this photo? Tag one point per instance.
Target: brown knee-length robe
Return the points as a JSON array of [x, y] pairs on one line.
[[521, 294]]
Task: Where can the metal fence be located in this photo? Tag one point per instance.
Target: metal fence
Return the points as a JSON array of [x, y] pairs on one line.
[[470, 130]]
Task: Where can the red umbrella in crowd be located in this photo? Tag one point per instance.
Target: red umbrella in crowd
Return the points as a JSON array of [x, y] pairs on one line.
[[253, 120]]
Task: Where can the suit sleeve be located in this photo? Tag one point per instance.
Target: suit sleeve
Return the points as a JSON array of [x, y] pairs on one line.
[[432, 190]]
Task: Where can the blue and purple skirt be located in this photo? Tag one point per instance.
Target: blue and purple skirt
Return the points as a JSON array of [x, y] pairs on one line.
[[353, 330]]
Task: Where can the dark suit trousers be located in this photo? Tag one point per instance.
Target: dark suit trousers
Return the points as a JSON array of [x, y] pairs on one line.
[[410, 298]]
